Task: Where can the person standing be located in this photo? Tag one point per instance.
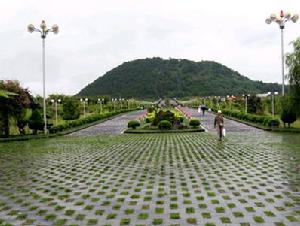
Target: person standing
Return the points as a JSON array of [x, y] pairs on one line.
[[219, 124]]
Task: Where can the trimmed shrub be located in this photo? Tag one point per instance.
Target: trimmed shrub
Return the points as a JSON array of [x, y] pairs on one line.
[[36, 121], [288, 115], [263, 120], [164, 115], [194, 123], [133, 124], [70, 109], [150, 109], [164, 125], [149, 119]]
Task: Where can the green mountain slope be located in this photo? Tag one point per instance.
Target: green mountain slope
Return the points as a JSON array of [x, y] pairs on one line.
[[156, 77]]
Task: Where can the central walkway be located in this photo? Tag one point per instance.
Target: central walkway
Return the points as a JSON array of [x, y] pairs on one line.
[[207, 121]]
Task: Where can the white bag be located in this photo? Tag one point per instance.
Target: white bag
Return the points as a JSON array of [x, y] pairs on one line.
[[223, 132]]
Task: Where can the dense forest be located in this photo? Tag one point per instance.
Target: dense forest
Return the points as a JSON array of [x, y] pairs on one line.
[[153, 78]]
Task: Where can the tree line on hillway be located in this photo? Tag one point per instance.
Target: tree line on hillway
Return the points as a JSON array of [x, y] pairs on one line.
[[18, 104]]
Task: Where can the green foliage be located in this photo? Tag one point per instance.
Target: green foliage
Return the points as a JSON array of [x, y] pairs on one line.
[[150, 119], [164, 125], [133, 124], [255, 104], [194, 123], [288, 114], [70, 109], [36, 121], [164, 115], [263, 120], [156, 77], [13, 100], [293, 64], [150, 109]]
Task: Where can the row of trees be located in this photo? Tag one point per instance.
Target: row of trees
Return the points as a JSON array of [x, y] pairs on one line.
[[293, 64], [19, 109]]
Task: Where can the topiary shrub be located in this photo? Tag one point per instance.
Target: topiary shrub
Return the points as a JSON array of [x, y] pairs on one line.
[[36, 121], [149, 119], [194, 123], [163, 115], [288, 115], [70, 109], [164, 125], [133, 124]]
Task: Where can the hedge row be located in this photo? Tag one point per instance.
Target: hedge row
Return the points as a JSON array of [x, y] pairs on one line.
[[79, 122], [263, 120]]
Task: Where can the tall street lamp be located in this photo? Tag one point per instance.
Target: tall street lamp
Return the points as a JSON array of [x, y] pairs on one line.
[[121, 100], [44, 31], [272, 94], [281, 19], [84, 101], [246, 102], [114, 103], [56, 103], [100, 101]]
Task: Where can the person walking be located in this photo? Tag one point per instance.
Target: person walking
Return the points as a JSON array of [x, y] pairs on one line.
[[203, 108], [219, 124]]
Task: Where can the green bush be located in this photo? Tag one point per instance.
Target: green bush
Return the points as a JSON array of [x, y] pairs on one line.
[[149, 119], [150, 109], [164, 125], [133, 124], [194, 123], [36, 121], [263, 120], [164, 115], [70, 109], [288, 115]]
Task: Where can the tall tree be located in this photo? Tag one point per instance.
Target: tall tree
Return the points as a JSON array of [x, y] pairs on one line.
[[293, 64], [13, 102]]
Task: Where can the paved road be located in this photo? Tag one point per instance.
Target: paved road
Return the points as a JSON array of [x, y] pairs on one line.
[[114, 126], [119, 124], [207, 122]]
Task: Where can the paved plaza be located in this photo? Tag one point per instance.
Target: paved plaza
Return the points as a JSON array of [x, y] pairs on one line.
[[251, 178]]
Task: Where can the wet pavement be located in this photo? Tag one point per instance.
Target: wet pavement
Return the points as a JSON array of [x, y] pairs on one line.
[[113, 126], [207, 121], [250, 178]]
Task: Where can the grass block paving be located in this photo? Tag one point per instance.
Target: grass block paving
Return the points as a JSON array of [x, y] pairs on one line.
[[151, 179]]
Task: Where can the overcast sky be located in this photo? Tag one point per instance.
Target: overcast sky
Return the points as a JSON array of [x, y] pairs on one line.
[[96, 36]]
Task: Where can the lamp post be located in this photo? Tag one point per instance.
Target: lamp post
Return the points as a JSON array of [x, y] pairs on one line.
[[272, 94], [246, 102], [121, 100], [44, 31], [229, 99], [128, 104], [281, 19], [100, 101], [114, 103], [56, 103], [84, 101]]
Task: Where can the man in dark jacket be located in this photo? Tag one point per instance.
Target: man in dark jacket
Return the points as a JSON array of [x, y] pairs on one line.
[[219, 124]]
